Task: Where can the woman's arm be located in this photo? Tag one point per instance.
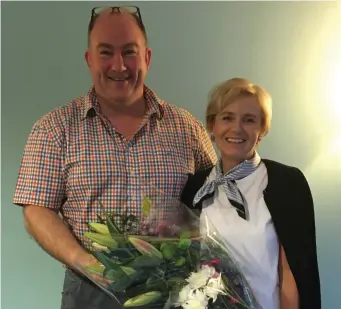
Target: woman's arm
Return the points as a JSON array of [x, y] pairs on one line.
[[289, 298], [307, 264], [298, 238]]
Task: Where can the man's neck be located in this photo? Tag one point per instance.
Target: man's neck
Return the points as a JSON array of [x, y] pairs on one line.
[[136, 109]]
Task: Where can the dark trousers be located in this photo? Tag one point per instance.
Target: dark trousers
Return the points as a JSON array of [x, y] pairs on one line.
[[80, 293]]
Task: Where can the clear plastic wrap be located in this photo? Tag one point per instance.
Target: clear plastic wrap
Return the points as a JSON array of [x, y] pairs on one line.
[[165, 256]]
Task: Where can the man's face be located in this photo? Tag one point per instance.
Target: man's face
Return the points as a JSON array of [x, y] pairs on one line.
[[118, 58]]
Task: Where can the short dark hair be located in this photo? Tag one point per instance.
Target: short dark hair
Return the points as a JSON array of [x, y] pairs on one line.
[[137, 19]]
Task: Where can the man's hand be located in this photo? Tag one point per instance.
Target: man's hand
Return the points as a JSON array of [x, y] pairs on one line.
[[51, 233], [81, 263]]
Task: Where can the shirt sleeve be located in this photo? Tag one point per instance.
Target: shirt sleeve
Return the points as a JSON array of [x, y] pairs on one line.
[[204, 153], [40, 181]]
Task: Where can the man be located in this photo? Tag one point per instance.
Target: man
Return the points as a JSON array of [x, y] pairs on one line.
[[104, 147]]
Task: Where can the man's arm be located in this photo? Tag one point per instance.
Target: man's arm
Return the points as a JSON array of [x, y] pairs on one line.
[[51, 233], [41, 191], [204, 152]]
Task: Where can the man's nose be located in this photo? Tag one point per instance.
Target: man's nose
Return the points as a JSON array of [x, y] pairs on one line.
[[118, 63]]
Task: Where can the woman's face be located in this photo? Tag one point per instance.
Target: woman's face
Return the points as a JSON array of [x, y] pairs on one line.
[[237, 130]]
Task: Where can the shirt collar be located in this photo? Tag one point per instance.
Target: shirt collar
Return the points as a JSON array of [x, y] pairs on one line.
[[155, 105]]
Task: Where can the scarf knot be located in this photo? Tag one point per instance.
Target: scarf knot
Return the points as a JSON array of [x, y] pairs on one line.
[[228, 181]]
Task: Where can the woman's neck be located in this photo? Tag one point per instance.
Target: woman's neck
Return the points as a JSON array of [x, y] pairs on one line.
[[229, 163]]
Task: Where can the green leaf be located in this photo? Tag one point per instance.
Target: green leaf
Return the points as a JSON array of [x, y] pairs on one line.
[[146, 206], [111, 274], [176, 281], [112, 227], [106, 261], [156, 239], [143, 299], [99, 228], [100, 247], [168, 250], [156, 283], [128, 270], [145, 248], [123, 254], [184, 243], [100, 219], [103, 240], [143, 261], [185, 234], [96, 269], [126, 281], [181, 261]]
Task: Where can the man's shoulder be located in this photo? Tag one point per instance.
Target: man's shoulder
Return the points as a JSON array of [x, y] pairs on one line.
[[173, 113], [63, 115]]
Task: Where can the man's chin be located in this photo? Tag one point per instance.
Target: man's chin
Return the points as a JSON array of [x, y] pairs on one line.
[[120, 96]]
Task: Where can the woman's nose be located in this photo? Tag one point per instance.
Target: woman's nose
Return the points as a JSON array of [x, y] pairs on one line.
[[237, 125]]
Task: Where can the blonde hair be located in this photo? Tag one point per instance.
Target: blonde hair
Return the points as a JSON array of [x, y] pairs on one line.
[[228, 91]]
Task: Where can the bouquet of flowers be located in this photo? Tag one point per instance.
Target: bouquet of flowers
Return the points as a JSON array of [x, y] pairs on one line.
[[163, 258]]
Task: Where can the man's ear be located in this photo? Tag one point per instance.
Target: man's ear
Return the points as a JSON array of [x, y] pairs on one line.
[[87, 58], [148, 57]]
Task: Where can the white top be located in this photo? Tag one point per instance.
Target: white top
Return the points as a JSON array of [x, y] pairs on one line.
[[254, 242]]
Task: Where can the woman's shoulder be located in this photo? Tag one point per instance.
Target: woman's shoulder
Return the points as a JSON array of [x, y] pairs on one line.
[[276, 165], [276, 169], [286, 181]]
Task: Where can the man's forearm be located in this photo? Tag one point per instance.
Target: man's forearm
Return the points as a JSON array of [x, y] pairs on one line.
[[50, 232]]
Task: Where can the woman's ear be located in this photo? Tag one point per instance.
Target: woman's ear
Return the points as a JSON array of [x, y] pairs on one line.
[[259, 138], [210, 125]]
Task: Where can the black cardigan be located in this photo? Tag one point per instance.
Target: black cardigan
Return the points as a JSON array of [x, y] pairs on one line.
[[290, 204]]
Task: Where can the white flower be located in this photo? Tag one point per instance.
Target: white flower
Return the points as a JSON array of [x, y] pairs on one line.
[[196, 300], [200, 278], [214, 287], [183, 296], [202, 286]]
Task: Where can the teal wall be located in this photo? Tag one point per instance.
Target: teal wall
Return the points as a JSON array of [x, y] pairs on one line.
[[286, 47]]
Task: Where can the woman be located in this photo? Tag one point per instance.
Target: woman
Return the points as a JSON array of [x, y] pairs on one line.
[[263, 209]]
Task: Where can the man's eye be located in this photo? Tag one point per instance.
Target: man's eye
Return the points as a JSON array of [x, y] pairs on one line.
[[105, 52], [129, 52]]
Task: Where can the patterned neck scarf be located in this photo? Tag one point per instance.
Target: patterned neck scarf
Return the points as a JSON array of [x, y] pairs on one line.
[[240, 171]]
